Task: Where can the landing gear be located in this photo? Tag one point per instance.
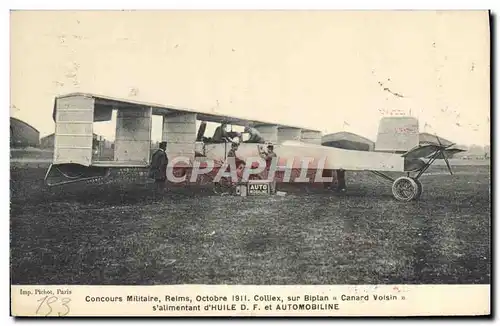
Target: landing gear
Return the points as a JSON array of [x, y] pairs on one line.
[[404, 188], [223, 187], [410, 188], [407, 189], [420, 188], [63, 174]]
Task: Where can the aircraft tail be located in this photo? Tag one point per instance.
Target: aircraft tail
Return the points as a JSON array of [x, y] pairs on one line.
[[397, 134]]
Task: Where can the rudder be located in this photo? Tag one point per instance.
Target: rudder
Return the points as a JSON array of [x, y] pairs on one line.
[[397, 134]]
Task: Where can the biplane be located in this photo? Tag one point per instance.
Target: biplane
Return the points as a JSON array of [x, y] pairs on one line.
[[397, 148]]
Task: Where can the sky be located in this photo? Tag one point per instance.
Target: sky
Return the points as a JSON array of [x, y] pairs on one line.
[[325, 70]]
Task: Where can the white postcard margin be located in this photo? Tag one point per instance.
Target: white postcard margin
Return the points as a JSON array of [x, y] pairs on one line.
[[250, 300]]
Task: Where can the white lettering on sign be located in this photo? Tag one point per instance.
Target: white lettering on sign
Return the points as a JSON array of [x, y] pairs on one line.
[[258, 187]]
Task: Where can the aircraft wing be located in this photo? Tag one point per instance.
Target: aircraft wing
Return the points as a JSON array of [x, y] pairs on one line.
[[104, 104], [449, 152], [428, 150], [421, 151]]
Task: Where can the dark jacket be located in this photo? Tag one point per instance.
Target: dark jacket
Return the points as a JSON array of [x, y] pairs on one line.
[[219, 135], [158, 167]]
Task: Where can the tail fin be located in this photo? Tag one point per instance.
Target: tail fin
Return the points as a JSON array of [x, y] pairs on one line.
[[397, 134]]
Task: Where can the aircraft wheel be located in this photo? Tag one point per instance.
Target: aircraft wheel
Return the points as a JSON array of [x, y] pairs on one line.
[[219, 189], [405, 189], [223, 187], [420, 188]]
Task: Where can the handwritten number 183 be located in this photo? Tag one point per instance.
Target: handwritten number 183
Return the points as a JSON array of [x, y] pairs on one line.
[[49, 300]]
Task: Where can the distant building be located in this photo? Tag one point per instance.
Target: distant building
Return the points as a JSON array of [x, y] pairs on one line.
[[22, 134], [47, 142], [348, 140]]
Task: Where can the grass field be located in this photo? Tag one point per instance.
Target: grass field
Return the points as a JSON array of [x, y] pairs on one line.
[[119, 234]]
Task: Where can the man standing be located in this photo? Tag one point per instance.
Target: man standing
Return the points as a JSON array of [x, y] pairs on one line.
[[341, 184], [158, 167], [232, 153], [338, 183], [268, 157], [239, 163]]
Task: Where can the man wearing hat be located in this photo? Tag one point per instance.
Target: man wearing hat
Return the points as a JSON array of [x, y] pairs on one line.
[[238, 162], [268, 157], [232, 151], [158, 167]]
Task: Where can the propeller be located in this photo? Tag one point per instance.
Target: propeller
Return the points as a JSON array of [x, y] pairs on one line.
[[444, 156]]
